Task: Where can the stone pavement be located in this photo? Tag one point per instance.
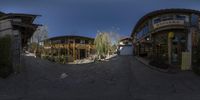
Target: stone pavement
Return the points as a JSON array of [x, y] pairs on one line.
[[121, 78], [155, 85]]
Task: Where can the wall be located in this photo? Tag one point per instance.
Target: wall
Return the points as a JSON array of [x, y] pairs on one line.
[[6, 29]]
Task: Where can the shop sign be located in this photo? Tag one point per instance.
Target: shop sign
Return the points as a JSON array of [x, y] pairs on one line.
[[168, 23]]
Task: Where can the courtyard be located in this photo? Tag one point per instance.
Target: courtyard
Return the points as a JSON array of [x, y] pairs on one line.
[[121, 78]]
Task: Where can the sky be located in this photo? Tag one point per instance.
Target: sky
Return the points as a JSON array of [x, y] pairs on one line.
[[87, 17]]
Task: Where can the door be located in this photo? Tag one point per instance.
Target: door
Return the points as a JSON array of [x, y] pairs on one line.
[[178, 46], [82, 53]]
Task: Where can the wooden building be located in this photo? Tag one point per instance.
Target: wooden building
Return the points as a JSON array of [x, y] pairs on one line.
[[72, 47], [20, 28], [166, 34]]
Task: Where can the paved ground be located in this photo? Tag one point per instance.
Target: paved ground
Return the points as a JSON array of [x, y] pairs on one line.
[[121, 78]]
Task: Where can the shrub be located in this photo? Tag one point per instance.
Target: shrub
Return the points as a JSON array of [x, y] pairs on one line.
[[196, 58], [196, 70], [5, 57], [159, 64]]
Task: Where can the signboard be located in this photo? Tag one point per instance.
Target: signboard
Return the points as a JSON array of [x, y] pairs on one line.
[[170, 35], [168, 23]]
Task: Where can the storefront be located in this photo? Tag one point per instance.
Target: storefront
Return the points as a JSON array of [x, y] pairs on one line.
[[167, 34]]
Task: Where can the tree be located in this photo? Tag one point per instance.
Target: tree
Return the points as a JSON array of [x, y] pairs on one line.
[[40, 34], [103, 44], [115, 38]]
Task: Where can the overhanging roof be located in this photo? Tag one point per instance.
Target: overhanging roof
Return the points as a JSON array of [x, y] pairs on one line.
[[70, 36], [162, 11]]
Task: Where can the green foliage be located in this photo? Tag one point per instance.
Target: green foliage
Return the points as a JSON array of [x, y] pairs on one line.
[[102, 43], [33, 47], [113, 48], [5, 56]]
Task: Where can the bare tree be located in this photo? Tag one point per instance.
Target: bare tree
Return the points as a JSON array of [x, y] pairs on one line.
[[40, 34]]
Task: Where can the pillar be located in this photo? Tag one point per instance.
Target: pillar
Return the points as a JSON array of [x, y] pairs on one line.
[[74, 52], [189, 44], [170, 36]]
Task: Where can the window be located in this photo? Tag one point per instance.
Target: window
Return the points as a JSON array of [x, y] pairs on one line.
[[199, 24], [167, 17], [71, 41], [157, 20], [82, 42], [56, 41], [77, 40], [180, 17], [17, 20], [62, 41], [86, 42], [66, 41]]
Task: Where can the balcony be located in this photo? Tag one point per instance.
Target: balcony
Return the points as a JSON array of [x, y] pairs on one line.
[[71, 45]]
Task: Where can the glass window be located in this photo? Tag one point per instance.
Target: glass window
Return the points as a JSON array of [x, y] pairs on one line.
[[66, 41], [199, 24], [56, 41], [62, 41], [86, 42], [157, 20], [71, 41], [167, 17], [180, 17], [82, 42], [17, 20], [77, 40]]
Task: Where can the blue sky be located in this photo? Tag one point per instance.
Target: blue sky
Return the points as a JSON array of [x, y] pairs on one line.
[[86, 17]]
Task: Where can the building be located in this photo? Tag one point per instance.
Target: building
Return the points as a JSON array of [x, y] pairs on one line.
[[72, 47], [168, 35], [20, 28], [125, 47]]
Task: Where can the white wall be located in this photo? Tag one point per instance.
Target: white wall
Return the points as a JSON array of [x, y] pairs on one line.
[[126, 50]]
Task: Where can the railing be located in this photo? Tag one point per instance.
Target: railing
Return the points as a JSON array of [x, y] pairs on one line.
[[68, 46]]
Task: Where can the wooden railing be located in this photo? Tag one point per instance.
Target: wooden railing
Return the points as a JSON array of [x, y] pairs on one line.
[[81, 46]]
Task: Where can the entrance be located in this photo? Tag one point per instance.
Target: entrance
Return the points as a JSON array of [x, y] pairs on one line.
[[178, 46], [82, 53]]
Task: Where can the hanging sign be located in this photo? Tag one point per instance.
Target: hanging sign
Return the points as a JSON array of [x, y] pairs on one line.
[[170, 34]]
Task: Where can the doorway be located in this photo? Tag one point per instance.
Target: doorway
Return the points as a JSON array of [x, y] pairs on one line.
[[178, 46], [82, 53]]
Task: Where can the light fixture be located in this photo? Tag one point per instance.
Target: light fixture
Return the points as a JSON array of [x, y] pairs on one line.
[[147, 38]]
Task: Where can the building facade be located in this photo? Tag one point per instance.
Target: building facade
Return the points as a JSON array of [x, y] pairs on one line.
[[125, 46], [20, 28], [167, 34], [71, 47]]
